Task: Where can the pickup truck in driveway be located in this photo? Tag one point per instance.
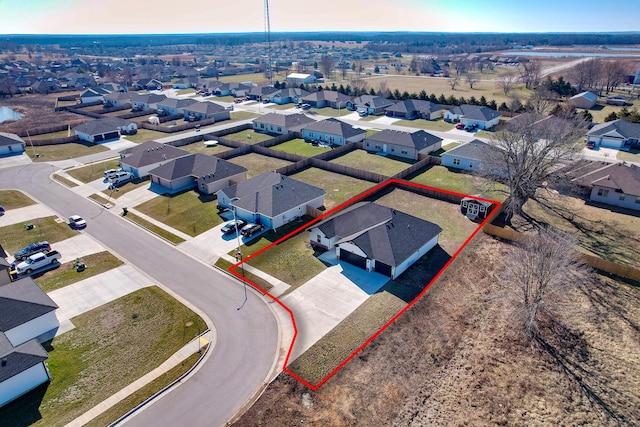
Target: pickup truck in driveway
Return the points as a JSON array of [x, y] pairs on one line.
[[37, 261]]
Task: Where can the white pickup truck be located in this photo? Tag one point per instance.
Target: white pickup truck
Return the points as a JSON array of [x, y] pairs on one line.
[[37, 261]]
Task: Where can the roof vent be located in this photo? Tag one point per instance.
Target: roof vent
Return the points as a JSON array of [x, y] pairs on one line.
[[4, 361]]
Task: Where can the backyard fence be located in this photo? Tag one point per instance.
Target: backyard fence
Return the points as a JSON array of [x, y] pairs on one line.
[[416, 167], [42, 130], [81, 112]]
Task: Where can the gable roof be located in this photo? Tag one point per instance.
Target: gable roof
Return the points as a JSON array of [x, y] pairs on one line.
[[9, 139], [334, 126], [205, 107], [149, 153], [475, 112], [620, 177], [409, 105], [96, 91], [176, 103], [22, 301], [624, 128], [354, 220], [474, 149], [103, 125], [198, 166], [373, 101], [290, 92], [418, 140], [284, 120], [327, 95], [586, 95], [147, 98], [19, 359], [271, 194], [118, 96]]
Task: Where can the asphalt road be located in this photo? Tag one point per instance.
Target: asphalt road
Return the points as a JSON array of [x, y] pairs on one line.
[[247, 335]]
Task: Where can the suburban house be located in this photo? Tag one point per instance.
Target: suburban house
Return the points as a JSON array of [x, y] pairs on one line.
[[206, 110], [616, 184], [467, 156], [117, 99], [369, 105], [104, 129], [376, 238], [232, 88], [332, 131], [186, 83], [483, 117], [143, 158], [174, 106], [28, 319], [270, 199], [261, 92], [297, 78], [474, 208], [147, 101], [288, 95], [326, 98], [206, 173], [411, 109], [410, 145], [584, 100], [619, 134], [147, 84], [10, 143], [280, 124], [94, 94]]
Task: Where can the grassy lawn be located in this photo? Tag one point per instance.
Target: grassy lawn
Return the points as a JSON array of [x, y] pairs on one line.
[[300, 147], [329, 112], [281, 107], [187, 91], [14, 199], [98, 198], [93, 171], [66, 274], [339, 188], [111, 346], [243, 136], [361, 159], [15, 236], [439, 125], [64, 180], [460, 182], [226, 98], [369, 118], [630, 156], [371, 132], [445, 148], [257, 163], [292, 261], [188, 212], [154, 228], [242, 115], [71, 150], [124, 189], [199, 147], [144, 135], [44, 136], [225, 265]]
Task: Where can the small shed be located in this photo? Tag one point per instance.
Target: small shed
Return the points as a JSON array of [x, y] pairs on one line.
[[474, 208]]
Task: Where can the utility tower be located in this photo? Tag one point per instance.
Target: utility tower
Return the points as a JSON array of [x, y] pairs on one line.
[[267, 34]]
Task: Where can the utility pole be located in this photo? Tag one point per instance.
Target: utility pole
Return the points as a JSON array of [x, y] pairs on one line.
[[267, 33]]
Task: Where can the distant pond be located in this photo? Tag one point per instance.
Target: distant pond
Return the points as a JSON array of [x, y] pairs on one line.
[[7, 114]]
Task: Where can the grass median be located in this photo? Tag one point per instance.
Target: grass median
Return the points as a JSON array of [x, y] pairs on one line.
[[154, 228]]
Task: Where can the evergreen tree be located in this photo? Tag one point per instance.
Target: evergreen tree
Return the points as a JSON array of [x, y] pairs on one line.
[[611, 117], [397, 94], [452, 100], [442, 100], [587, 116], [405, 95], [347, 90], [276, 85], [483, 101], [423, 95], [503, 107], [492, 104], [334, 87], [473, 101], [341, 88], [372, 92], [376, 69], [462, 101], [413, 95], [433, 98]]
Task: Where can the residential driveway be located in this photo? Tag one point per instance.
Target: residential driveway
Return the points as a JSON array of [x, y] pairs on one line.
[[211, 245], [95, 291], [384, 120], [15, 160], [324, 301], [77, 247], [16, 216]]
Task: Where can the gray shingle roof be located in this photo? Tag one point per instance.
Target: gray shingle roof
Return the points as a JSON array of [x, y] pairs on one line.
[[327, 95], [373, 101], [419, 139], [176, 103], [205, 107], [22, 301], [147, 98], [334, 127], [198, 165], [100, 126], [19, 359], [475, 112], [151, 152], [411, 105], [9, 139], [353, 220], [474, 149], [623, 127], [284, 120], [620, 177]]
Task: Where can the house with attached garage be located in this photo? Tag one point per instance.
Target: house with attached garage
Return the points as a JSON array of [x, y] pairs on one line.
[[409, 145], [616, 184], [208, 174], [281, 124], [145, 157], [467, 156], [117, 99], [270, 199], [619, 134], [174, 106], [411, 109], [95, 94], [332, 131], [186, 83], [482, 117], [287, 95], [369, 105], [105, 129], [146, 101], [326, 98], [376, 238], [147, 84], [261, 92], [206, 110], [10, 144]]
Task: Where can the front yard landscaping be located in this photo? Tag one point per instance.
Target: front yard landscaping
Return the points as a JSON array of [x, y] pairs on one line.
[[70, 150], [437, 125], [189, 212], [66, 274], [144, 135], [16, 236], [124, 189], [629, 156], [329, 112], [63, 180], [339, 188], [361, 159], [14, 199], [300, 147], [257, 163], [459, 182], [93, 171], [111, 346], [154, 228]]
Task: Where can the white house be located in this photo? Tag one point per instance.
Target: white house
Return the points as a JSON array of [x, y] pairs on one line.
[[483, 117], [332, 131], [143, 158], [95, 94], [467, 156], [22, 368], [117, 99], [206, 110], [146, 101], [616, 184], [409, 145], [104, 129], [280, 124], [287, 95], [618, 134], [298, 78], [174, 106], [10, 143]]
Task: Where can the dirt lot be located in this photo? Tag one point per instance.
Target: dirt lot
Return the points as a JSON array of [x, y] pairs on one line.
[[453, 359], [38, 111]]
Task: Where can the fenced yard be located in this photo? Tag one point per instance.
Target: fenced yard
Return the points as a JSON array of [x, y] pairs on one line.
[[339, 188], [384, 165], [459, 182], [257, 163], [300, 147]]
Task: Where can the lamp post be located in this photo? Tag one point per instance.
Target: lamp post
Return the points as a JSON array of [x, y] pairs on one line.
[[239, 252]]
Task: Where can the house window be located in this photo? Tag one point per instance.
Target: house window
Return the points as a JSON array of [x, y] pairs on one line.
[[405, 152], [603, 193], [464, 204], [638, 200], [279, 129], [261, 125], [621, 198], [456, 162], [470, 164], [318, 238]]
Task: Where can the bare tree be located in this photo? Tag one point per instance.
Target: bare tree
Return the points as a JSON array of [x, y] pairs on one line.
[[453, 81], [326, 65], [527, 152], [383, 89], [541, 100], [539, 270], [530, 74], [514, 104], [471, 79], [613, 73], [507, 82], [584, 74]]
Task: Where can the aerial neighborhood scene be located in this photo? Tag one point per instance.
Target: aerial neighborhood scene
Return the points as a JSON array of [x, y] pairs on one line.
[[345, 214]]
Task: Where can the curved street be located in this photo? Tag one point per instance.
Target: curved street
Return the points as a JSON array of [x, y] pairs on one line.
[[247, 332]]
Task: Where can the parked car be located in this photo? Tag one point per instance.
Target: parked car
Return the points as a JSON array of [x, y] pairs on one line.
[[229, 108], [459, 126], [110, 173], [251, 229], [233, 225], [305, 106], [76, 222], [121, 177], [37, 261], [31, 249], [471, 128]]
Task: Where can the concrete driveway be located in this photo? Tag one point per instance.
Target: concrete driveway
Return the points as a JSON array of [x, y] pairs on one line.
[[326, 300]]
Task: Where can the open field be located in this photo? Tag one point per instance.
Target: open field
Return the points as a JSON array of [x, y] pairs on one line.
[[14, 199], [257, 163], [154, 228], [70, 150], [188, 212], [16, 236], [93, 171], [459, 182], [38, 112], [455, 358], [339, 188], [248, 136], [300, 147], [111, 346], [385, 165], [66, 274]]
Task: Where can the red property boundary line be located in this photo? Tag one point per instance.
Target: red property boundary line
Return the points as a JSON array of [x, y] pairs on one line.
[[375, 189]]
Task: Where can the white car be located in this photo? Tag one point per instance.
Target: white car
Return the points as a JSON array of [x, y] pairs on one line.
[[76, 222], [110, 173], [120, 177]]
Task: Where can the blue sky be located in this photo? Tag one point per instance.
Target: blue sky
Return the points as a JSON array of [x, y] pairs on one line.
[[198, 16]]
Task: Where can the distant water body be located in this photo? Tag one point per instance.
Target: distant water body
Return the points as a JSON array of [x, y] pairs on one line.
[[7, 114], [570, 54]]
